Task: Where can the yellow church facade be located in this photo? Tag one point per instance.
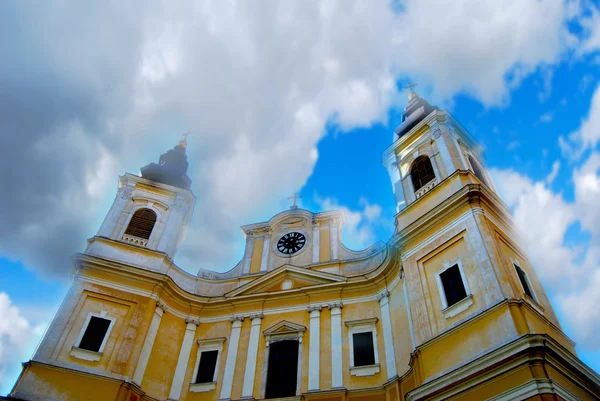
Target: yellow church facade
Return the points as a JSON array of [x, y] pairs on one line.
[[450, 308]]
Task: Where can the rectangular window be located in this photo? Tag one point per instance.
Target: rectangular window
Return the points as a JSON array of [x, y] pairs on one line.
[[206, 367], [454, 288], [364, 352], [94, 334], [524, 282]]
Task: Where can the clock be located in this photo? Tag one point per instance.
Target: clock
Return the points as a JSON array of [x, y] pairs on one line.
[[291, 243]]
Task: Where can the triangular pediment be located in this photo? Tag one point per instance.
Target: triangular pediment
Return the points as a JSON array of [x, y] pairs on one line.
[[284, 327], [286, 277]]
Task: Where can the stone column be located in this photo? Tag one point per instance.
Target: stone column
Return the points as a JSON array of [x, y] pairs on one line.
[[248, 254], [336, 345], [236, 326], [316, 242], [442, 148], [149, 343], [251, 357], [410, 188], [333, 238], [388, 339], [314, 347], [184, 357], [264, 260]]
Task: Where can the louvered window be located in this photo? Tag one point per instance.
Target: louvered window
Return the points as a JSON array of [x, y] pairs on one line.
[[141, 223], [421, 172]]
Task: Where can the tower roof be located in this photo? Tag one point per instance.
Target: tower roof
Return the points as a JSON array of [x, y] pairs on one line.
[[415, 111], [171, 168]]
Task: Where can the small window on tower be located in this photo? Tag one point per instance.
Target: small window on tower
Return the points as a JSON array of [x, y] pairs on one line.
[[421, 172], [452, 283], [141, 223], [93, 338], [524, 281], [477, 170]]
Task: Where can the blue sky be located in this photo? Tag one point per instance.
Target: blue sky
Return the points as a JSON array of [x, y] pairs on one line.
[[283, 98]]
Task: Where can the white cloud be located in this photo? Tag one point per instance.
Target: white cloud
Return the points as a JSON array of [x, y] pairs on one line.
[[17, 338], [591, 32], [359, 230], [257, 83], [588, 134], [546, 118], [552, 176]]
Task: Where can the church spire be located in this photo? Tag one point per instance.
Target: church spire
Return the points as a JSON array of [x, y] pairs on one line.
[[415, 111], [171, 168]]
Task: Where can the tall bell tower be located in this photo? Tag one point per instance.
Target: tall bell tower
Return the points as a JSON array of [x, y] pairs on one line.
[[151, 211]]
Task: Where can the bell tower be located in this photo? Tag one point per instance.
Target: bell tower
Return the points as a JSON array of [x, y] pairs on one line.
[[151, 211], [459, 253]]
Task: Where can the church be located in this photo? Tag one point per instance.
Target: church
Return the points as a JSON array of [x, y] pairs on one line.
[[450, 308]]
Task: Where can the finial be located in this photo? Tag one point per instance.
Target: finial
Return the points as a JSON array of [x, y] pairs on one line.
[[294, 197], [412, 94], [183, 142]]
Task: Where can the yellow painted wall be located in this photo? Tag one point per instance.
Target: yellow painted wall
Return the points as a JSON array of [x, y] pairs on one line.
[[163, 359], [256, 256], [324, 244]]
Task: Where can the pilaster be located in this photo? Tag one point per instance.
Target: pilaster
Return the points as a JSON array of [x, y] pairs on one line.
[[388, 338], [149, 343], [236, 326], [184, 357], [314, 347], [336, 345], [250, 371]]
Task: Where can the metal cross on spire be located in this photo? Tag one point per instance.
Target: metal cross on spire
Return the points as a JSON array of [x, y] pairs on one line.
[[410, 87], [294, 197], [186, 135]]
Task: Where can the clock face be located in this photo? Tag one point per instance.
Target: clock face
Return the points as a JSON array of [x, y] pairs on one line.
[[291, 243]]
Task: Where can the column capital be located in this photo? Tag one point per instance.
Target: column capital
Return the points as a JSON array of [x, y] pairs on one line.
[[160, 304], [257, 316], [382, 296], [334, 305], [236, 321], [314, 308], [193, 321]]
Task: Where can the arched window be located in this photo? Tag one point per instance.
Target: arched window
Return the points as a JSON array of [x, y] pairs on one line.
[[142, 223], [421, 172], [477, 170]]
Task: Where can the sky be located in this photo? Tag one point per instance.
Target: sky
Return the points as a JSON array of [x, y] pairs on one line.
[[282, 97]]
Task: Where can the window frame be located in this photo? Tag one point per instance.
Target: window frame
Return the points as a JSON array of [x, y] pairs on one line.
[[212, 344], [87, 354], [463, 304], [412, 167], [527, 280], [363, 326]]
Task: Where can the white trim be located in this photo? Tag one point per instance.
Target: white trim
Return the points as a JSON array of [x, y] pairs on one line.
[[362, 326], [85, 354], [101, 315], [250, 370], [182, 360], [458, 307], [410, 321], [264, 260], [207, 345], [388, 337], [232, 349], [314, 352], [366, 370], [316, 243], [448, 265], [148, 344], [337, 378]]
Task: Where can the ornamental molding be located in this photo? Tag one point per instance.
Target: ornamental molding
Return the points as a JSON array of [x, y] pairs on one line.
[[192, 320], [313, 308], [335, 305], [161, 305], [382, 295]]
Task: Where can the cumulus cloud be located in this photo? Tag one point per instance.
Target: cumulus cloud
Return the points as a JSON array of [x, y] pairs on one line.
[[17, 338], [587, 135], [359, 230], [257, 83]]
